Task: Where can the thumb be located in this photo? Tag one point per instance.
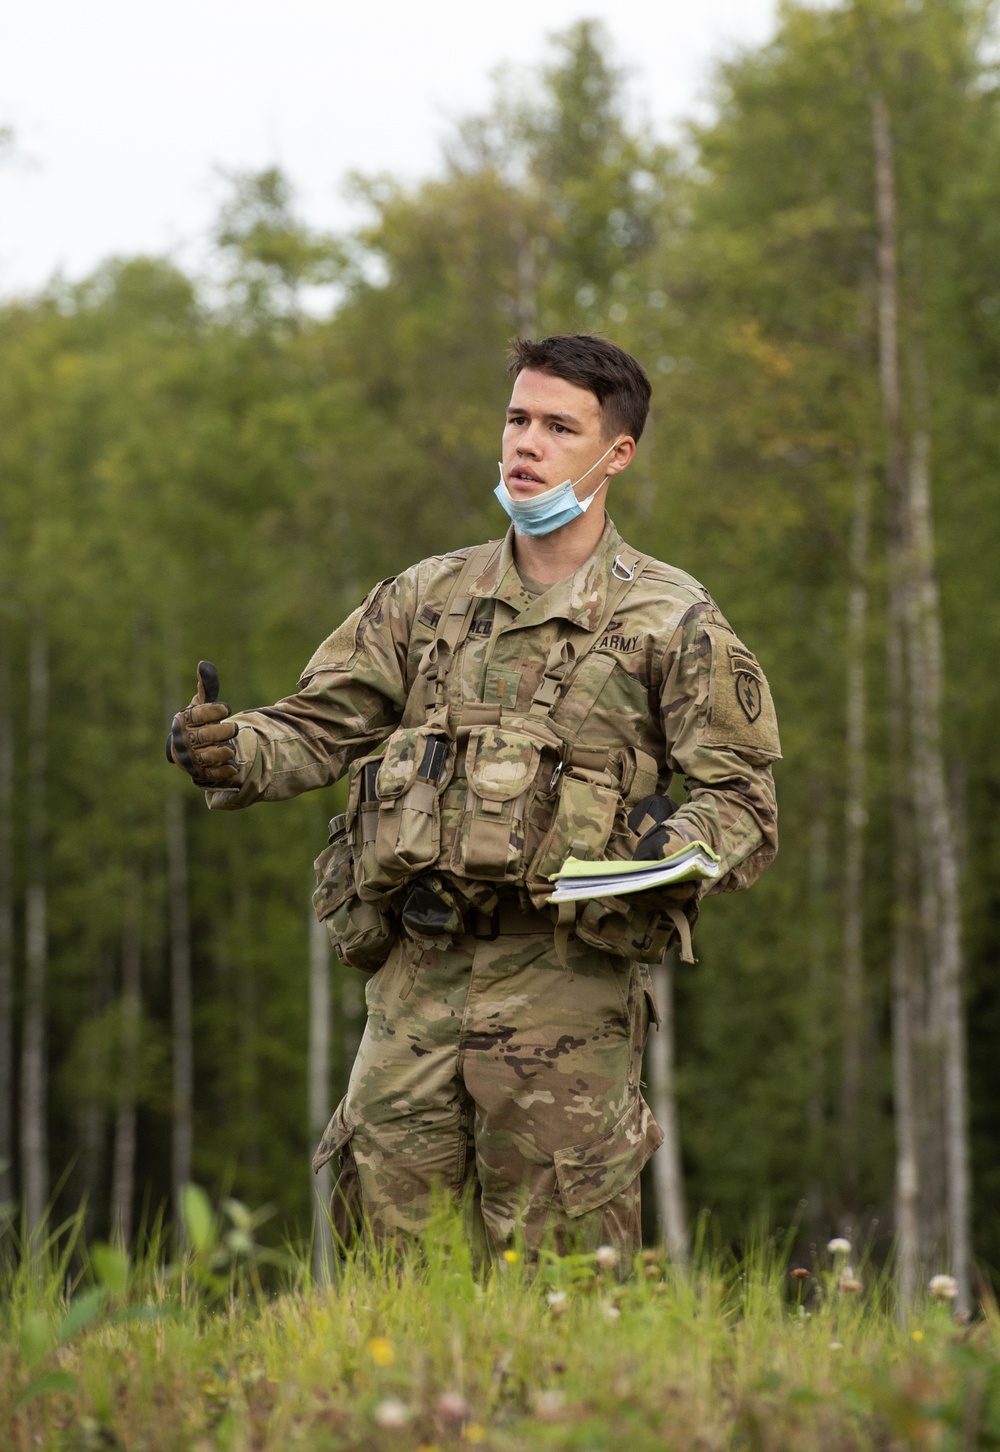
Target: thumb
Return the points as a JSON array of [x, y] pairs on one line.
[[208, 682]]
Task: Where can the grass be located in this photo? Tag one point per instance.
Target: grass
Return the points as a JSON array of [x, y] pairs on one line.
[[98, 1352]]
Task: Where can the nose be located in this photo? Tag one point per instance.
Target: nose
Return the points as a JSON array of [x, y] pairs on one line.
[[528, 442]]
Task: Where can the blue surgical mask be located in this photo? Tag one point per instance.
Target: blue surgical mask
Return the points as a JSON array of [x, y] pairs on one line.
[[543, 513]]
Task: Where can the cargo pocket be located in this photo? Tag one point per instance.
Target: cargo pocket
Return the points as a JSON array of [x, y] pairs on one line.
[[589, 1175], [345, 1202], [501, 767]]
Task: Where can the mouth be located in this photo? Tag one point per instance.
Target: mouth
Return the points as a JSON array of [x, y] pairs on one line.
[[523, 475]]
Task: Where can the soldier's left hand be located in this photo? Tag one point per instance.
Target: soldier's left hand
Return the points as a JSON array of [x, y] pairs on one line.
[[201, 736], [648, 820]]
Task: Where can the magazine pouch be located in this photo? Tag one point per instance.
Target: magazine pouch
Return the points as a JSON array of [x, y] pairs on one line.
[[501, 767], [400, 823], [582, 823], [361, 933]]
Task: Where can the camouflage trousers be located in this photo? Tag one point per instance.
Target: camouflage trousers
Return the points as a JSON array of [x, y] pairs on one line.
[[488, 1066]]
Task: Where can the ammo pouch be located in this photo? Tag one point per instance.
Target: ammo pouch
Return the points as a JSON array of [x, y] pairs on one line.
[[395, 807], [362, 934], [501, 768]]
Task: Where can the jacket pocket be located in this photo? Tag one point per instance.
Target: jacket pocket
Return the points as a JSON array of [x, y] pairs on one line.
[[589, 1175]]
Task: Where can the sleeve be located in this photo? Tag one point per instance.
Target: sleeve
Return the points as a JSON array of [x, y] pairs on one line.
[[351, 697], [721, 737]]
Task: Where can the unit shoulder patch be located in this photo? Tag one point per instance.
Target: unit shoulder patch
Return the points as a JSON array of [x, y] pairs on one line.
[[740, 711]]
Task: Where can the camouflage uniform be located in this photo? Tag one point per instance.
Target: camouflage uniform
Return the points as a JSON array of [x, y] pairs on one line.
[[492, 1054]]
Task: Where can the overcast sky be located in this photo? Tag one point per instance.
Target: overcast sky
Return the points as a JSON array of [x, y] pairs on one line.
[[123, 110]]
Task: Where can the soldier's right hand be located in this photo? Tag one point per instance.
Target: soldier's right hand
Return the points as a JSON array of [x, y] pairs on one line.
[[201, 737]]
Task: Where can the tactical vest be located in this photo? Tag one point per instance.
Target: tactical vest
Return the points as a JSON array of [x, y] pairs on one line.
[[490, 794]]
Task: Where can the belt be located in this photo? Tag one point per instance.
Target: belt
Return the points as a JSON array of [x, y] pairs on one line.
[[509, 917]]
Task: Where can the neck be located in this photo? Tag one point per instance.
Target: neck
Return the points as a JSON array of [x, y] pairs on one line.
[[549, 558]]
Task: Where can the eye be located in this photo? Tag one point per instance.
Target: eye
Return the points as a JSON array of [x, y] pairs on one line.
[[561, 428]]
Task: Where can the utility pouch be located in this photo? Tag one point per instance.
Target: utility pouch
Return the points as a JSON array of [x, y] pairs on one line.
[[416, 766], [361, 933], [501, 767], [635, 929], [581, 825]]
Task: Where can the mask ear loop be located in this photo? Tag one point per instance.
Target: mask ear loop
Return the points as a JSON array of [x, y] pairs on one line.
[[575, 484]]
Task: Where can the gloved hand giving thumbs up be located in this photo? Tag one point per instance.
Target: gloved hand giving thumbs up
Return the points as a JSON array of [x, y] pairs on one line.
[[201, 738]]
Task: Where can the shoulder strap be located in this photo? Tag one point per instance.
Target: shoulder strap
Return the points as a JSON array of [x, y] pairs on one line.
[[452, 628], [566, 655]]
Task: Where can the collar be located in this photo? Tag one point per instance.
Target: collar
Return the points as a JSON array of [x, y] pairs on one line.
[[580, 598]]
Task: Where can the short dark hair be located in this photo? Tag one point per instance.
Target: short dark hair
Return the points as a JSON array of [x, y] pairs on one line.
[[617, 381]]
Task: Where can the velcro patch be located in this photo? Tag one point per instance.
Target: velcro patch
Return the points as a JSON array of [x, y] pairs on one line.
[[740, 710]]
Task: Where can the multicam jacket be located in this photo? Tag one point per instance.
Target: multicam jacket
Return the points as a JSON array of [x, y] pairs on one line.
[[667, 690]]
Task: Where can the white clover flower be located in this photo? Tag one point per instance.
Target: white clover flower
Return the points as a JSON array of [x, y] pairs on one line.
[[839, 1246], [451, 1406], [606, 1256], [556, 1298], [549, 1404], [611, 1311], [944, 1287], [392, 1414]]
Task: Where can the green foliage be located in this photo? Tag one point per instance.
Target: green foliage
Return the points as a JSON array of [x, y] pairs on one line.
[[419, 1351], [192, 472]]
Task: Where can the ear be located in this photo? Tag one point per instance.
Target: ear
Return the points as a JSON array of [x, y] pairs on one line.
[[623, 455]]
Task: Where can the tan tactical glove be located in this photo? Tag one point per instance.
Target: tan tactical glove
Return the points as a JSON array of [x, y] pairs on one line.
[[201, 738]]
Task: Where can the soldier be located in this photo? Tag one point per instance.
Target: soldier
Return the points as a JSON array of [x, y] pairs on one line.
[[496, 710]]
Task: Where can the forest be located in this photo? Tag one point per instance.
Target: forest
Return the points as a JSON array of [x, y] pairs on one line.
[[220, 466]]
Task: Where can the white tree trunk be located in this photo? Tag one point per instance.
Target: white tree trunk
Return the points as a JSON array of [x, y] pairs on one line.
[[855, 823], [903, 964], [319, 1089], [668, 1175], [6, 928], [180, 1001], [947, 1015], [123, 1163], [34, 1096]]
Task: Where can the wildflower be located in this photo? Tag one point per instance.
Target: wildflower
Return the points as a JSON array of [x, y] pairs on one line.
[[612, 1312], [839, 1246], [451, 1406], [917, 1336], [474, 1432], [606, 1256], [549, 1405], [848, 1281], [381, 1352], [392, 1414], [557, 1302], [944, 1287], [511, 1257], [799, 1273], [836, 1345]]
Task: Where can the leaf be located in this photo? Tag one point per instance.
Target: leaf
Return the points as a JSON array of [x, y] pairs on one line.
[[111, 1266], [51, 1381], [199, 1221], [83, 1312], [37, 1337], [238, 1214]]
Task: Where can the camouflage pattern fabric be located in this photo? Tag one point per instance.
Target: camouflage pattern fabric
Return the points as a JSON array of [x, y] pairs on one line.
[[488, 1058], [669, 677]]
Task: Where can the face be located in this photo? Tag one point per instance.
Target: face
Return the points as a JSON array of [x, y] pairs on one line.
[[553, 433]]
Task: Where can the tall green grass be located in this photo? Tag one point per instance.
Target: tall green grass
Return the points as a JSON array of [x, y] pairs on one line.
[[228, 1346]]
